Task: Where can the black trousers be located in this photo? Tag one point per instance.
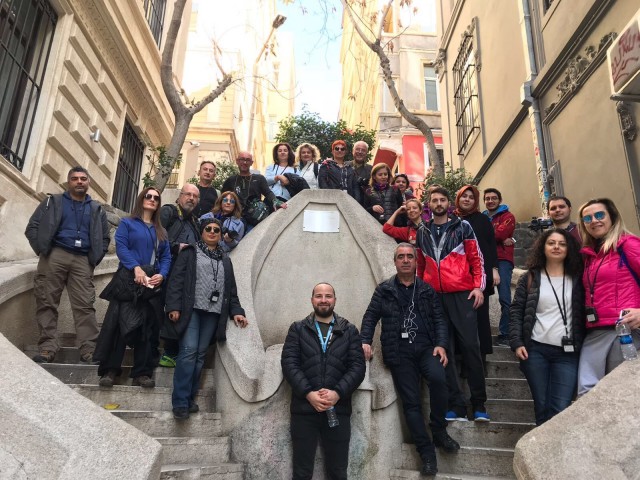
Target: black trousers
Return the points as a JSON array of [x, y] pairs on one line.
[[463, 328], [305, 431], [484, 328], [417, 360]]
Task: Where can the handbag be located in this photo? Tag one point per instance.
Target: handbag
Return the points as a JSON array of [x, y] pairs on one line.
[[256, 211]]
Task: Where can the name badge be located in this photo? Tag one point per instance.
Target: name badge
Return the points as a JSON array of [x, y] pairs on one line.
[[404, 335], [568, 349], [78, 243]]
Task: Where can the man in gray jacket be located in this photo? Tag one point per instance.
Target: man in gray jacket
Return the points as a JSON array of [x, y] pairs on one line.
[[70, 233]]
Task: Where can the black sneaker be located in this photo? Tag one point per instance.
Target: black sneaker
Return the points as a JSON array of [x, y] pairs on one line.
[[181, 413], [45, 356], [144, 382], [502, 341], [429, 466], [108, 379], [194, 408], [445, 442]]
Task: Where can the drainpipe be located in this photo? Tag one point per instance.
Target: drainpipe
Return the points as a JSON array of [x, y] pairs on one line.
[[527, 99]]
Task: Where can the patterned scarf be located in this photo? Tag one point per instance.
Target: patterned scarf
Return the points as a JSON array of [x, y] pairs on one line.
[[215, 254]]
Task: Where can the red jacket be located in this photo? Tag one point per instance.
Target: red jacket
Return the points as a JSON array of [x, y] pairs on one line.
[[614, 287], [456, 263], [504, 224]]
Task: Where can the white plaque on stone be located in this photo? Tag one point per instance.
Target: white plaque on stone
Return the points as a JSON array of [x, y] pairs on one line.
[[324, 221]]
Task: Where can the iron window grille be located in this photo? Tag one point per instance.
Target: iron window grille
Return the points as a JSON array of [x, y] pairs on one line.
[[154, 11], [466, 94], [125, 188], [547, 4], [26, 35]]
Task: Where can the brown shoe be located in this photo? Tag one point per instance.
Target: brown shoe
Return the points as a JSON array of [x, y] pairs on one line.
[[108, 379], [87, 358], [144, 382], [45, 356]]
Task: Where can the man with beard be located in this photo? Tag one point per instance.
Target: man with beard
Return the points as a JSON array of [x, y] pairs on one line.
[[454, 268], [414, 340], [208, 193], [182, 230], [560, 213], [322, 360], [70, 234], [360, 165]]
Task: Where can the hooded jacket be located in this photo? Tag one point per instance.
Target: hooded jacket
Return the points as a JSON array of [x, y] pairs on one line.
[[504, 224]]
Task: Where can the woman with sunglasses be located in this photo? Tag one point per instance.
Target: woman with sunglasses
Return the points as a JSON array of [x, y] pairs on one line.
[[335, 174], [141, 241], [228, 210], [307, 156], [382, 199], [546, 326], [612, 288], [283, 162], [201, 297]]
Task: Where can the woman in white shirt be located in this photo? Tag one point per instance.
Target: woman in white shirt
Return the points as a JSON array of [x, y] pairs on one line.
[[546, 327], [283, 162], [307, 156]]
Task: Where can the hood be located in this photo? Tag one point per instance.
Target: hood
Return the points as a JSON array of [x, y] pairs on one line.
[[502, 208]]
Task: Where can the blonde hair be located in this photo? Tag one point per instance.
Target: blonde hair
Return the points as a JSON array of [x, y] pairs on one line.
[[612, 237], [314, 151], [416, 201]]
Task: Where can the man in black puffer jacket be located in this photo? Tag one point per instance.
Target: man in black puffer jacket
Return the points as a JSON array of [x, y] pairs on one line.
[[322, 360], [414, 341]]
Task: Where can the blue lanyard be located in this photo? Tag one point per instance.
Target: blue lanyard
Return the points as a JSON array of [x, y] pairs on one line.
[[324, 342]]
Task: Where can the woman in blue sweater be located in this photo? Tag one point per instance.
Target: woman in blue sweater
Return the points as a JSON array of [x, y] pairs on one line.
[[142, 247]]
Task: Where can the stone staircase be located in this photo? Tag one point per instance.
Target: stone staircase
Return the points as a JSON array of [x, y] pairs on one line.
[[191, 449], [486, 448]]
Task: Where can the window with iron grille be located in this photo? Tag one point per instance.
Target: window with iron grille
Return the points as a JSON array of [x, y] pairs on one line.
[[154, 12], [26, 33], [547, 4], [466, 94], [125, 188]]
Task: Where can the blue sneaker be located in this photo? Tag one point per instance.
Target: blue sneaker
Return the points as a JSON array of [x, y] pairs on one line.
[[452, 416], [480, 416]]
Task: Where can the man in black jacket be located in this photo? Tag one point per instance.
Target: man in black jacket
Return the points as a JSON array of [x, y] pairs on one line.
[[323, 362], [414, 341]]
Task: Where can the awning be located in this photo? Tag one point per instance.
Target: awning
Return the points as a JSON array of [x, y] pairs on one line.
[[386, 156]]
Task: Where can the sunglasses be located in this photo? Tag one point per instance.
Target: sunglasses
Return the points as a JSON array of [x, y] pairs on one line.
[[229, 200], [339, 149], [150, 196], [210, 229], [596, 216]]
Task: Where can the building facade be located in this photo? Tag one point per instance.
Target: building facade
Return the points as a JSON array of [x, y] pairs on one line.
[[526, 101], [79, 85], [409, 40]]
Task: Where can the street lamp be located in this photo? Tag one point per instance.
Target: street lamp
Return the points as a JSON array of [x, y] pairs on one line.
[[277, 23]]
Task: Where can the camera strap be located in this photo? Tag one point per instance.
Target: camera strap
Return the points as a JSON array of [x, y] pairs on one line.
[[563, 306]]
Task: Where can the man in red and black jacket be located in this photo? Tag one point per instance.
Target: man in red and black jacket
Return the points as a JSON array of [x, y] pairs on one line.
[[454, 267], [504, 224]]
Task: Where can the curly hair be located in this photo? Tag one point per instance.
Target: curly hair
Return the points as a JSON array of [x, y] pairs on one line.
[[315, 153], [537, 259]]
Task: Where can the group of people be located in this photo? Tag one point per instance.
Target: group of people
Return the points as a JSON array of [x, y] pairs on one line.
[[175, 281]]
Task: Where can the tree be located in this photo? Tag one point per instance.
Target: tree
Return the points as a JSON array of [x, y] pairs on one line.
[[374, 42], [453, 180], [309, 127]]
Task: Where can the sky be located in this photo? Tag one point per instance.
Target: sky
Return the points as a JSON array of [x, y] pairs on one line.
[[317, 36]]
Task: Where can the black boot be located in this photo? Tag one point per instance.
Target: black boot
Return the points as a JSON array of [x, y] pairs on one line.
[[429, 465], [445, 442]]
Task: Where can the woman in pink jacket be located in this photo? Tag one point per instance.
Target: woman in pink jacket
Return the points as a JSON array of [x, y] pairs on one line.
[[612, 284]]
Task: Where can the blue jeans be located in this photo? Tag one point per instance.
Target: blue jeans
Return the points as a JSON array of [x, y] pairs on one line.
[[553, 376], [193, 350], [505, 269]]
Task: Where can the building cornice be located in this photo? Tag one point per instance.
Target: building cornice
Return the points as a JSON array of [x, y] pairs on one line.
[[451, 26]]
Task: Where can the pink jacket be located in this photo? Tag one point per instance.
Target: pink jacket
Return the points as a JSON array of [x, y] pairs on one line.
[[614, 287]]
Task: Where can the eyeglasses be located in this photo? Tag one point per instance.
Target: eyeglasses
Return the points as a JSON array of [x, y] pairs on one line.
[[597, 216], [229, 200], [210, 229], [244, 159], [339, 149], [150, 196]]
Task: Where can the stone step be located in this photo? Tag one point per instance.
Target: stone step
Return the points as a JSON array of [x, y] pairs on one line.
[[503, 369], [88, 375], [71, 355], [502, 354], [468, 460], [138, 398], [512, 388], [162, 424], [511, 411], [398, 474], [198, 451], [488, 434], [222, 471]]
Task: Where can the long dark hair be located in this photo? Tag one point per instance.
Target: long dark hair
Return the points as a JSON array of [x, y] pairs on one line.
[[137, 212], [573, 261], [291, 158]]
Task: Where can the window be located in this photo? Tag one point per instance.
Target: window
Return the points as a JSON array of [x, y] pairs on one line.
[[272, 128], [466, 93], [125, 188], [26, 33], [431, 88], [547, 4], [154, 13], [427, 162]]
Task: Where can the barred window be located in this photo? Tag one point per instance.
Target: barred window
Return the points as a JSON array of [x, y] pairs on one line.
[[466, 94], [125, 188], [154, 12], [547, 4], [26, 34]]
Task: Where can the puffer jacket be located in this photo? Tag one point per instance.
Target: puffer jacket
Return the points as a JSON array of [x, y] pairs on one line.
[[44, 223], [522, 316], [504, 224], [614, 287], [384, 306], [456, 263], [390, 198], [308, 369], [331, 176]]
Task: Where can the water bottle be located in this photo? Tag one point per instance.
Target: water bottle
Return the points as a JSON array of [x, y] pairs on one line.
[[332, 417], [626, 341]]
